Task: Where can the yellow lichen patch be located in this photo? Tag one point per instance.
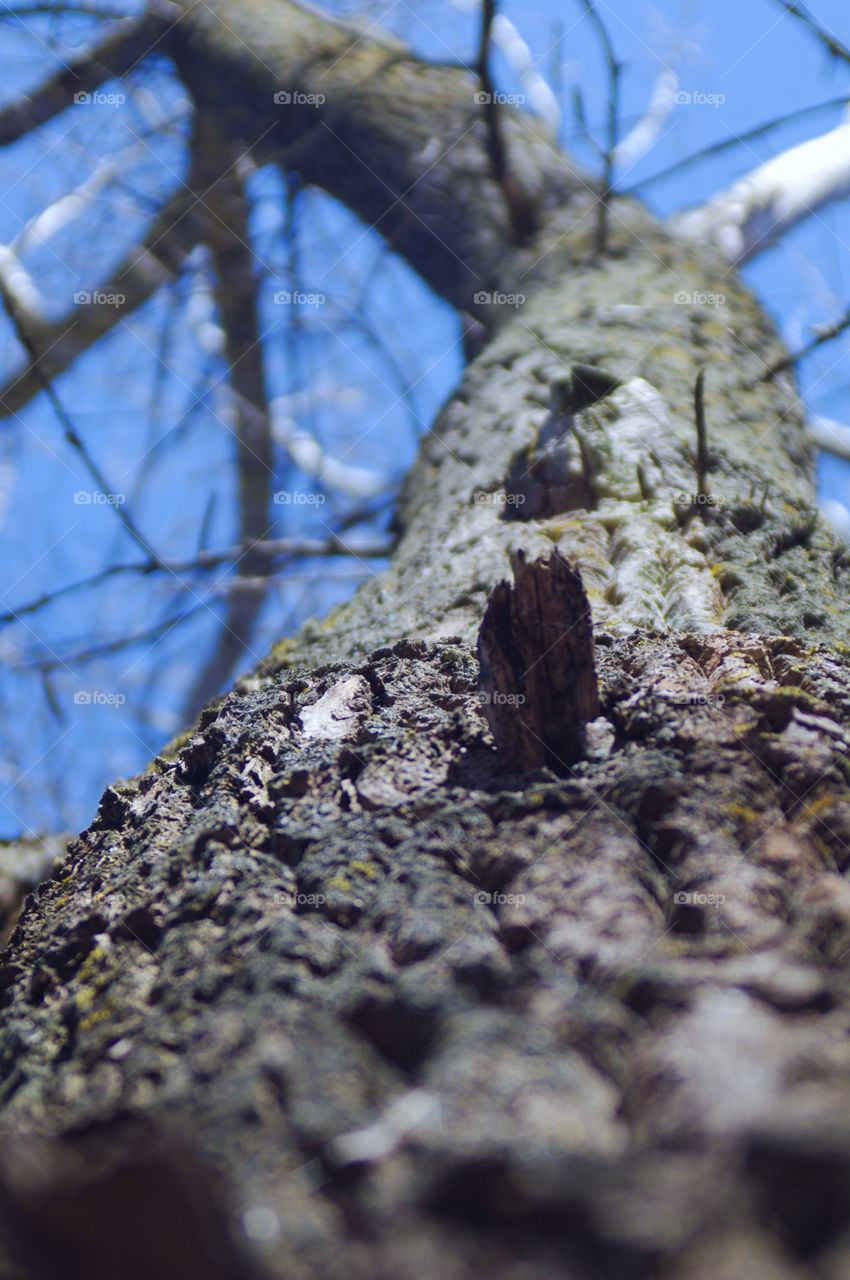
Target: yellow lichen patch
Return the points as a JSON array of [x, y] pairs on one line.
[[824, 801], [93, 979], [364, 869], [744, 813], [102, 1014]]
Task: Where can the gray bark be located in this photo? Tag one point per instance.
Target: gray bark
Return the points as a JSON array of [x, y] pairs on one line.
[[340, 976]]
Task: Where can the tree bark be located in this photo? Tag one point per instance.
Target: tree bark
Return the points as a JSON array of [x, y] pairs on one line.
[[371, 991]]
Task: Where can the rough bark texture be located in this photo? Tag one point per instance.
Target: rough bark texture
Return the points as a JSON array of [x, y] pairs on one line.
[[416, 1013]]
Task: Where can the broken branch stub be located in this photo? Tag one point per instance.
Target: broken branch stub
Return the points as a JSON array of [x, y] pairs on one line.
[[538, 680]]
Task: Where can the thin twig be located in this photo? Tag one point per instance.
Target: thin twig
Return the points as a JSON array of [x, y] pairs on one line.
[[276, 549], [581, 120], [826, 334], [835, 48], [702, 442], [83, 8], [717, 148], [614, 69], [70, 431], [128, 44], [149, 265], [519, 207], [237, 287], [150, 635]]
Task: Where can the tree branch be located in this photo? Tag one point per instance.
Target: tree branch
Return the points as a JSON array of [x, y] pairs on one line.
[[763, 205], [519, 207], [72, 436], [825, 333], [832, 44], [133, 40], [610, 149], [237, 296], [147, 267], [399, 141]]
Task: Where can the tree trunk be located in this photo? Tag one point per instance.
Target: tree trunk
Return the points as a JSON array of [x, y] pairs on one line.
[[340, 987]]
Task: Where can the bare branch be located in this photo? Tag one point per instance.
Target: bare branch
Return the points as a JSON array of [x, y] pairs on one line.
[[276, 549], [133, 41], [518, 205], [717, 148], [542, 100], [837, 517], [151, 635], [825, 333], [71, 434], [148, 266], [237, 296], [609, 151], [67, 208], [50, 221], [830, 436], [88, 8], [421, 177], [834, 46], [766, 203], [642, 137], [702, 441]]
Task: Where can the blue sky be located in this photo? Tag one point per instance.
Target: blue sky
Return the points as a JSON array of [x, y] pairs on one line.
[[148, 400]]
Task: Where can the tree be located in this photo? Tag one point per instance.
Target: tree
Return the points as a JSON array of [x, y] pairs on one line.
[[353, 980]]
